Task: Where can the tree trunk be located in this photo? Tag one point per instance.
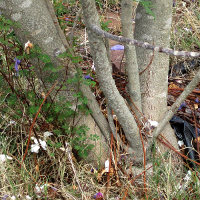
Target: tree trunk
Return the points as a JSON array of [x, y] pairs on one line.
[[130, 53], [103, 71], [37, 22], [154, 81]]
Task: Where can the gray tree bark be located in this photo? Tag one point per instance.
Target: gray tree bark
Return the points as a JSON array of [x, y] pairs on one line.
[[130, 53], [154, 81]]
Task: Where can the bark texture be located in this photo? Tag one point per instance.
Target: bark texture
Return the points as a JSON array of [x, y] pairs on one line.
[[154, 81]]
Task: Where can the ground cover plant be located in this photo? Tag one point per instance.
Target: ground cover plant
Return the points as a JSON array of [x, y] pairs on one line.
[[44, 150]]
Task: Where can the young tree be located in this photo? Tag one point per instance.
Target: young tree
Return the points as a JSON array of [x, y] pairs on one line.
[[147, 69], [149, 91]]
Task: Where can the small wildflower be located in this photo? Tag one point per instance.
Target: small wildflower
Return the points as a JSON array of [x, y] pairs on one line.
[[183, 105], [17, 62], [5, 197], [35, 147], [180, 143], [39, 190], [88, 77], [98, 196], [12, 122], [197, 100], [28, 46], [13, 198]]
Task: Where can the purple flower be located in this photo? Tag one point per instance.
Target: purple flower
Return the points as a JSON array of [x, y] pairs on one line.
[[183, 105], [17, 62], [117, 47], [98, 195], [5, 197], [88, 77], [197, 100], [67, 19]]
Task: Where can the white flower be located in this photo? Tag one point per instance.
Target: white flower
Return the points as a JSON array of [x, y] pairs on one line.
[[28, 197], [107, 166], [47, 134], [27, 44], [188, 176], [13, 198], [40, 189], [4, 157], [153, 123], [35, 147], [12, 122], [93, 67]]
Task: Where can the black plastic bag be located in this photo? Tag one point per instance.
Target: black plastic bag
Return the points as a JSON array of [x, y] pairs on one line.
[[185, 132]]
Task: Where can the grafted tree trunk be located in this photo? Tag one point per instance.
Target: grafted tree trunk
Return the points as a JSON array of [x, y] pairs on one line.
[[37, 22], [103, 71], [154, 81]]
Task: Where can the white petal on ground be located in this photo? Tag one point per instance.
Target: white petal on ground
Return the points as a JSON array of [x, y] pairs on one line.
[[35, 148], [28, 197], [26, 44], [107, 166], [43, 144], [4, 157], [47, 134]]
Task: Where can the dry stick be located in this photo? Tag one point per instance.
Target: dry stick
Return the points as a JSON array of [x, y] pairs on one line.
[[109, 170], [113, 129], [73, 168], [168, 144], [71, 35], [145, 45], [33, 123], [176, 104], [144, 157], [151, 60]]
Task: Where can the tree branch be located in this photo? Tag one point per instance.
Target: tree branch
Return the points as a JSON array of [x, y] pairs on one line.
[[145, 45], [130, 53], [176, 105]]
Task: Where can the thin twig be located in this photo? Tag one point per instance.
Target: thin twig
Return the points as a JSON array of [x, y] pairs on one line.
[[33, 123], [73, 168]]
